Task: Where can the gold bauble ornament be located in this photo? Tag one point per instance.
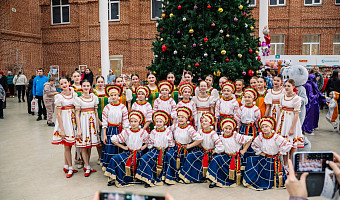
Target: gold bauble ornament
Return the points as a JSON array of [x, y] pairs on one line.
[[252, 28], [240, 7], [223, 52], [239, 55], [191, 30], [162, 39], [228, 35], [163, 15], [171, 15], [189, 66], [257, 52], [220, 10], [154, 72]]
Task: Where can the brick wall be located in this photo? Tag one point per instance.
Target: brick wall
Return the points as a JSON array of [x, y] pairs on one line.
[[78, 43]]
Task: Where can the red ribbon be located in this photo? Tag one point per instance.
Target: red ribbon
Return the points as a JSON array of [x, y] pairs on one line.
[[207, 157], [132, 160]]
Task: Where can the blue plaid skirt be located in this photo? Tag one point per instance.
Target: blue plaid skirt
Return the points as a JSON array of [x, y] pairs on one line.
[[263, 173], [248, 130], [109, 149], [116, 168], [218, 171], [171, 170], [192, 169], [147, 168]]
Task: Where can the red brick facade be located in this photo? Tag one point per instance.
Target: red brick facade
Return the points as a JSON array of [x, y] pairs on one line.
[[78, 43]]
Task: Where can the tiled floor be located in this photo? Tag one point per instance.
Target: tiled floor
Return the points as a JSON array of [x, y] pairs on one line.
[[31, 168]]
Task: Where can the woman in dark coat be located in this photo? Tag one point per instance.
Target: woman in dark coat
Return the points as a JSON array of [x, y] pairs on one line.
[[29, 95], [88, 75]]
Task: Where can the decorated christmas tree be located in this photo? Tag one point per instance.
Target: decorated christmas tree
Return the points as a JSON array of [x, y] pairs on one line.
[[206, 37]]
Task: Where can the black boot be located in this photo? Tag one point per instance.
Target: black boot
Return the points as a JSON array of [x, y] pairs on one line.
[[110, 183], [147, 185], [212, 185]]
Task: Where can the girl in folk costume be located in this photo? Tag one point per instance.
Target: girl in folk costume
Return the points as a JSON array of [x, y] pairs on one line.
[[265, 171], [210, 90], [186, 90], [204, 103], [186, 138], [65, 128], [253, 82], [333, 109], [187, 77], [87, 123], [196, 164], [165, 102], [272, 99], [289, 123], [126, 96], [249, 115], [262, 94], [76, 87], [122, 167], [225, 169], [153, 87], [220, 81], [115, 116], [135, 82], [151, 169], [103, 101], [175, 94], [227, 105], [239, 83], [143, 93]]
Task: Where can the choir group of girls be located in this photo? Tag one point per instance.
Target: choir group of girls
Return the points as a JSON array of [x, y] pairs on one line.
[[159, 133]]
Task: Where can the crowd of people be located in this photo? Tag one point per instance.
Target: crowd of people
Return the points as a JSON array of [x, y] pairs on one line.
[[161, 133]]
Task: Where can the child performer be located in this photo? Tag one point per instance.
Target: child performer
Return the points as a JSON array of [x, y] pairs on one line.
[[227, 105], [187, 77], [65, 128], [272, 99], [143, 93], [151, 166], [204, 103], [185, 139], [239, 83], [122, 167], [175, 94], [223, 168], [76, 83], [186, 90], [209, 79], [265, 170], [289, 123], [262, 94], [196, 164], [153, 87], [115, 116], [253, 82], [87, 123], [103, 101], [135, 82], [165, 102], [76, 87], [126, 96], [333, 110], [249, 115]]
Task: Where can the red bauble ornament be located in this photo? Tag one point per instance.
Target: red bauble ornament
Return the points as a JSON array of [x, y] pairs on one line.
[[205, 39], [179, 7], [250, 51], [244, 14], [197, 64], [258, 58], [250, 72], [161, 29], [260, 44], [227, 59], [209, 6], [164, 48]]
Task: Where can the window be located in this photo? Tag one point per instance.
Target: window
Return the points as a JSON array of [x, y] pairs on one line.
[[277, 45], [313, 2], [336, 44], [60, 12], [114, 10], [337, 2], [252, 3], [277, 2], [311, 45], [156, 6]]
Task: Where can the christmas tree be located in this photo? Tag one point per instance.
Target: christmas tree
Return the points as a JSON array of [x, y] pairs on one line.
[[206, 37]]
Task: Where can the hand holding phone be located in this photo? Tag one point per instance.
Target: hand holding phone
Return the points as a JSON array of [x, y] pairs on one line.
[[294, 186]]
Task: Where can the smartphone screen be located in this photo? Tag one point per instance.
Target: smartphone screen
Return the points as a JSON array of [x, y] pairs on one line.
[[314, 162], [129, 196]]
